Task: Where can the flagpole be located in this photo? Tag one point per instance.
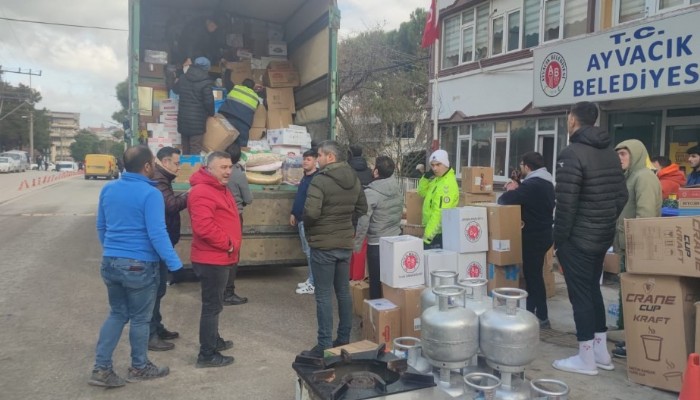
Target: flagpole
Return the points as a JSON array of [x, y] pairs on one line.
[[436, 66]]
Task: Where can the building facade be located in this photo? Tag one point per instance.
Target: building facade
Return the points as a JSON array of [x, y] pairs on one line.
[[510, 69], [63, 127]]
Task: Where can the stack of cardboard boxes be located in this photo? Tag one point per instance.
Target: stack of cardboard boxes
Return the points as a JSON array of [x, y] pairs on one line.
[[659, 290], [414, 214], [688, 202]]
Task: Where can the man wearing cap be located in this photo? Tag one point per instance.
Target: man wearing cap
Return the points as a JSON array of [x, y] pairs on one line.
[[439, 190], [694, 161], [196, 104]]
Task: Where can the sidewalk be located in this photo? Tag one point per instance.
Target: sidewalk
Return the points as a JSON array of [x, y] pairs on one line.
[[17, 184]]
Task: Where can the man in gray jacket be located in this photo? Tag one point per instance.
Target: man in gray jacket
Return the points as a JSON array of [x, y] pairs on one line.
[[238, 185], [383, 218]]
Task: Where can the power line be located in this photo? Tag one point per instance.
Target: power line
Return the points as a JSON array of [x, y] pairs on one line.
[[60, 24]]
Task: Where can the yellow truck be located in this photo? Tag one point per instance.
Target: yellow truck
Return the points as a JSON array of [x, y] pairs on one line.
[[101, 166]]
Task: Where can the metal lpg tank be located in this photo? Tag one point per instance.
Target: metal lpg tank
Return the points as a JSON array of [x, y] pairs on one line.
[[481, 386], [509, 335], [450, 334], [437, 278], [476, 298]]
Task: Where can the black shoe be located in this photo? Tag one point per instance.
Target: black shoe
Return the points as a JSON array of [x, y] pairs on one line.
[[545, 324], [105, 378], [316, 352], [619, 352], [222, 344], [234, 300], [150, 371], [338, 343], [167, 335], [157, 344], [214, 361], [620, 344]]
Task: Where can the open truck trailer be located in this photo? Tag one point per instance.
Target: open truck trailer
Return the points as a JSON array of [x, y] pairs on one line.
[[310, 29]]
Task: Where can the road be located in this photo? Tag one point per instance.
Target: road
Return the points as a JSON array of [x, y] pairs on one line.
[[53, 302]]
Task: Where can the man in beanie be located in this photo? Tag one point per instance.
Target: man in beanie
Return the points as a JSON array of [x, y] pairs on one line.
[[439, 190], [694, 161], [196, 104]]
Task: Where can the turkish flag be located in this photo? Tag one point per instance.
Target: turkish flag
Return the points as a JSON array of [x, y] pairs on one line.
[[432, 31]]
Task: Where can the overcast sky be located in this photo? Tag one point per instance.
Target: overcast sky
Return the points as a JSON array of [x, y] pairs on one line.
[[81, 67]]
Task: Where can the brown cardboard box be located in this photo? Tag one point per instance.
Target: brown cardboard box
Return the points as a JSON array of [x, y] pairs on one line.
[[611, 263], [477, 179], [281, 99], [505, 234], [659, 327], [281, 65], [189, 164], [669, 246], [219, 135], [352, 348], [413, 230], [501, 276], [151, 70], [381, 322], [467, 199], [688, 202], [279, 119], [408, 300], [414, 208], [260, 118], [281, 79], [256, 133], [240, 71], [259, 76], [360, 293]]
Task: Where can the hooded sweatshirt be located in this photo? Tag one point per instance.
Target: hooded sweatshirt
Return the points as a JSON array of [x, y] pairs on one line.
[[384, 208], [643, 187], [334, 197], [671, 178], [196, 101], [535, 195]]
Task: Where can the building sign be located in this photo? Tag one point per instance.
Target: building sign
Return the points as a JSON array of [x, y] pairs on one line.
[[650, 58]]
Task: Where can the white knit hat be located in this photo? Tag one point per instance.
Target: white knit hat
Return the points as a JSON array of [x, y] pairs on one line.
[[441, 157]]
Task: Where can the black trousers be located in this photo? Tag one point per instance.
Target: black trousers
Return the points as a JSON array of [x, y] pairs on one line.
[[435, 244], [375, 286], [213, 281], [582, 274], [157, 319], [534, 250], [231, 284]]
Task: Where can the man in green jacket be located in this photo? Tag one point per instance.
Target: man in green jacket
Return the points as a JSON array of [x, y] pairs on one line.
[[334, 197], [439, 192], [644, 201]]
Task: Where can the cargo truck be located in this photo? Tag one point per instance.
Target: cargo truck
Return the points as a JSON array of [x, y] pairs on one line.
[[309, 28]]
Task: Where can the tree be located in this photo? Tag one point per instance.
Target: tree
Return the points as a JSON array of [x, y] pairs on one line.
[[16, 104], [85, 143], [117, 149], [122, 90]]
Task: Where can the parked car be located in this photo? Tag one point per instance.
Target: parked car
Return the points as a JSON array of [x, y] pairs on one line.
[[22, 158], [64, 166], [8, 164]]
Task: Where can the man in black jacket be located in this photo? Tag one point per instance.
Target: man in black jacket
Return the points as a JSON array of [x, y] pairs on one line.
[[359, 164], [535, 195], [590, 195], [196, 104], [167, 166]]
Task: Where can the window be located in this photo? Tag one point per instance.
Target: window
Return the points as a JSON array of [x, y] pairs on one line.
[[468, 44], [482, 32], [522, 140], [500, 156], [497, 40], [466, 37], [481, 144], [575, 17], [511, 23], [630, 10], [448, 142], [405, 130], [514, 30], [463, 153], [531, 23], [450, 44], [552, 13]]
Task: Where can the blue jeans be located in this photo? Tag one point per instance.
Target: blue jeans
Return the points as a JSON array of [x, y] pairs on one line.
[[306, 249], [331, 269], [131, 289]]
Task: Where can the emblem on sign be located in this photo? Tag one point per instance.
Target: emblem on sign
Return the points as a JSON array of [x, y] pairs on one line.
[[472, 231], [553, 74], [474, 270], [410, 262]]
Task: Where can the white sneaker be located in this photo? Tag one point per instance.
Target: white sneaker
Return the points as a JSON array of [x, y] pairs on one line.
[[582, 363], [302, 284], [308, 289]]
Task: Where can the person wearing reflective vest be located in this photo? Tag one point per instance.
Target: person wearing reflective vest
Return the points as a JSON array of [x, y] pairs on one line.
[[439, 190], [239, 109]]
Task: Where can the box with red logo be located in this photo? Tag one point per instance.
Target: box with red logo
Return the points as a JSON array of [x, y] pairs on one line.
[[465, 230], [381, 322], [471, 265], [401, 263], [689, 193], [439, 260]]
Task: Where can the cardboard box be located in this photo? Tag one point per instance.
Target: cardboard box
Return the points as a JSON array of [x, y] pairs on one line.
[[240, 71], [467, 199], [401, 261], [189, 164], [277, 119], [505, 234], [408, 300], [688, 202], [288, 137], [465, 229], [689, 193], [477, 179], [550, 283], [290, 151], [281, 99], [611, 263], [281, 79], [260, 117], [659, 317], [259, 76], [276, 48], [413, 230], [155, 56], [352, 348], [503, 276], [256, 133], [669, 246], [381, 322], [151, 70], [414, 208], [275, 32], [360, 293], [471, 265], [219, 135], [439, 260]]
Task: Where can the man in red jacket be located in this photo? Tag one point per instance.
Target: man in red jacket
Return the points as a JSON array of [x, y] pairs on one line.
[[216, 240]]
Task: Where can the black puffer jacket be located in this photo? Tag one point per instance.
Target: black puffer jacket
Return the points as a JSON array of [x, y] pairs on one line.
[[359, 164], [196, 101], [590, 191], [173, 203]]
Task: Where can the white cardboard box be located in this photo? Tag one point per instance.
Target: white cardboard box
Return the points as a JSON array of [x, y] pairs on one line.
[[465, 230], [439, 260], [472, 265], [277, 48], [401, 261], [288, 137]]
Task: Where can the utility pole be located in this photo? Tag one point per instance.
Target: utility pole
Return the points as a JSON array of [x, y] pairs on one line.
[[31, 103]]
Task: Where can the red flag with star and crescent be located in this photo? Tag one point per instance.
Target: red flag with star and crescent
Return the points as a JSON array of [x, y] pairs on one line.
[[431, 32]]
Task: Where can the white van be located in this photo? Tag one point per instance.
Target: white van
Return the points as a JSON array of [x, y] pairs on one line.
[[22, 157]]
